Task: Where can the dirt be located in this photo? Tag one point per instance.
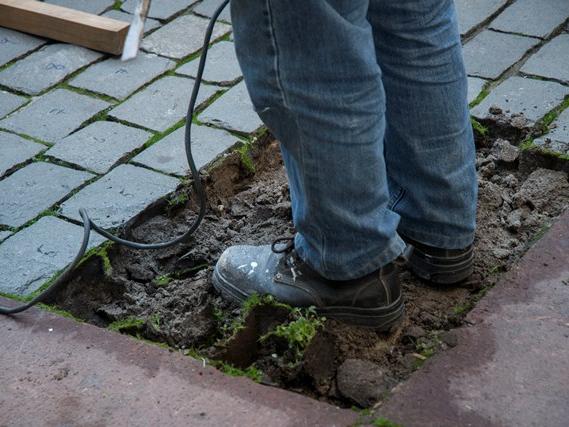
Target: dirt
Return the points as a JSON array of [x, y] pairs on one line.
[[167, 295]]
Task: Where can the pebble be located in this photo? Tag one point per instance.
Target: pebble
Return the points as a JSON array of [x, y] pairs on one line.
[[505, 152], [362, 381]]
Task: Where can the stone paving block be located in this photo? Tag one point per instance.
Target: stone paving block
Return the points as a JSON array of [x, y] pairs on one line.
[[473, 13], [208, 7], [14, 44], [33, 189], [15, 150], [558, 138], [475, 86], [10, 102], [149, 25], [532, 17], [233, 111], [160, 105], [31, 257], [118, 196], [161, 9], [4, 235], [53, 115], [489, 54], [46, 67], [99, 146], [221, 65], [518, 95], [90, 6], [552, 60], [169, 155], [119, 79], [181, 37]]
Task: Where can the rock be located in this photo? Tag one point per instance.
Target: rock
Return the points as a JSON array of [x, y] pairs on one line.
[[414, 332], [514, 220], [450, 338], [362, 381], [543, 188], [494, 109], [505, 152], [490, 194], [510, 180], [501, 253]]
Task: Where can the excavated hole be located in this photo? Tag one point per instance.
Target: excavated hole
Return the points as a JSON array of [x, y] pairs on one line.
[[167, 296]]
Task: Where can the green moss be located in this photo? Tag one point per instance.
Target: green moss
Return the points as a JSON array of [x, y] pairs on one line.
[[59, 311], [163, 280], [478, 127], [87, 92], [483, 94], [251, 372], [179, 199], [128, 325], [156, 321], [245, 156], [384, 422], [101, 251], [299, 332], [117, 4]]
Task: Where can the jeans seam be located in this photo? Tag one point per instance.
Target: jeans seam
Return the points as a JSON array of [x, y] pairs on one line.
[[276, 49]]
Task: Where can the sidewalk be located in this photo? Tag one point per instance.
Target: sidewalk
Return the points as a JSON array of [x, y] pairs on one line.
[[510, 367], [57, 372]]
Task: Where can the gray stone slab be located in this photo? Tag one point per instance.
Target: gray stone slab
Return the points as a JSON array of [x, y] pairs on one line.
[[558, 138], [208, 7], [161, 9], [99, 146], [518, 95], [471, 13], [31, 257], [33, 189], [89, 6], [120, 195], [475, 86], [532, 17], [46, 67], [169, 155], [15, 150], [4, 235], [181, 37], [233, 110], [10, 102], [489, 54], [53, 115], [160, 105], [118, 78], [552, 60], [221, 65], [14, 44], [149, 25]]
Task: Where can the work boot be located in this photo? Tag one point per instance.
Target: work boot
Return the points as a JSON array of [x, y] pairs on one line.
[[372, 301], [440, 266]]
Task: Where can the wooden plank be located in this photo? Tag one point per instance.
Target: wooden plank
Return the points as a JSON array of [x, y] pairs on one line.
[[64, 24]]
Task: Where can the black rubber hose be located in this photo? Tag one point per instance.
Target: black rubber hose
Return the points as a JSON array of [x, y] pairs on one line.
[[88, 224]]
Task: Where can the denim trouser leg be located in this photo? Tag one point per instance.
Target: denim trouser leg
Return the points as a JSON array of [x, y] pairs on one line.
[[429, 147], [313, 75]]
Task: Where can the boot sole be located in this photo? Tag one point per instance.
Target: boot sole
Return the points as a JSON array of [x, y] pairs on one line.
[[439, 270], [380, 318]]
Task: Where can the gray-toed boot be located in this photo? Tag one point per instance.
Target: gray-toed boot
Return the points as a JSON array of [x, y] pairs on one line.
[[373, 301]]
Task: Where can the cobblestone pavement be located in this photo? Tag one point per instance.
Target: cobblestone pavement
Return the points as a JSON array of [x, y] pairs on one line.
[[79, 128]]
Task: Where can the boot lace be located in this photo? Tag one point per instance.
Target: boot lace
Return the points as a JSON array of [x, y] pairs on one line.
[[290, 257]]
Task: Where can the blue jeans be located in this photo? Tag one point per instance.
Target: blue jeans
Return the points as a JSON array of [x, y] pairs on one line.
[[368, 100]]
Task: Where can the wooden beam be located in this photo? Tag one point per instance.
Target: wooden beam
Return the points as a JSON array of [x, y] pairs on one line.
[[64, 24]]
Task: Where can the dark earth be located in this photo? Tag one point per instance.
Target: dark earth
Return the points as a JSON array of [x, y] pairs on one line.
[[166, 296]]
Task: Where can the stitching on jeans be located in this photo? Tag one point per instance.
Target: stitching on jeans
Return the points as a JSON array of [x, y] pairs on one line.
[[395, 200], [286, 104], [276, 49]]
